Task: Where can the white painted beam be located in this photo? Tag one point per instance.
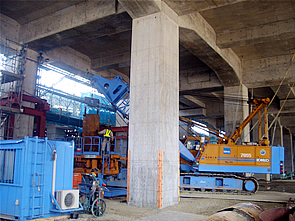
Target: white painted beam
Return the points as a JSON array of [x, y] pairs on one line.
[[78, 15], [280, 30]]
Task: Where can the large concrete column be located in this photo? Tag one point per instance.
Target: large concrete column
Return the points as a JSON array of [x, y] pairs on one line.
[[154, 112], [236, 110], [24, 124]]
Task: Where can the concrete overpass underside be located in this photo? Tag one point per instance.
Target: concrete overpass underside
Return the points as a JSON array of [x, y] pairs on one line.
[[229, 51]]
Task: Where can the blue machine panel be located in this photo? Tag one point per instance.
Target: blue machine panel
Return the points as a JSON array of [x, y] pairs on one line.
[[277, 156], [185, 153], [26, 170], [202, 182], [233, 169]]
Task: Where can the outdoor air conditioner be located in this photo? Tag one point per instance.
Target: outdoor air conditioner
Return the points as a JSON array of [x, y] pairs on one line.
[[68, 199]]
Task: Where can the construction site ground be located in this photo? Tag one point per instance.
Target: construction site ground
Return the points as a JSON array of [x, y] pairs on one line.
[[197, 206]]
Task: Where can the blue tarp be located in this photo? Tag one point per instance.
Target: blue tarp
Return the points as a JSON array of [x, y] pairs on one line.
[[106, 116]]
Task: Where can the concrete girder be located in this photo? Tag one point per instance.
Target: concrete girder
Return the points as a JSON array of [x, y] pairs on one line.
[[283, 91], [268, 71], [89, 33], [199, 38], [187, 7], [9, 29], [115, 59], [192, 81], [139, 8], [77, 15], [288, 105], [69, 57], [195, 100], [198, 112], [280, 30], [288, 121], [77, 63]]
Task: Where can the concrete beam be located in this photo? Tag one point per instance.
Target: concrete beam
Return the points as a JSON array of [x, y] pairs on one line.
[[280, 30], [189, 80], [139, 8], [288, 121], [199, 38], [9, 29], [195, 100], [77, 15], [288, 105], [200, 112], [69, 57], [108, 26], [283, 91], [215, 109], [187, 7], [268, 71], [77, 63], [111, 60]]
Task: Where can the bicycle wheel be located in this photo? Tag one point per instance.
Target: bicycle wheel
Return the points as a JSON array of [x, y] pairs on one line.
[[98, 207]]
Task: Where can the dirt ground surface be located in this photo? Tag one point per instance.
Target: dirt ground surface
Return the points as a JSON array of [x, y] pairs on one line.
[[117, 208]]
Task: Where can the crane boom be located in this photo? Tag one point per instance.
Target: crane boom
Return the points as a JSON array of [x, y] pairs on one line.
[[260, 103]]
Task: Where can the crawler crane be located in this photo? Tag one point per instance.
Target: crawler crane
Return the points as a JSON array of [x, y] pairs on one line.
[[222, 166], [215, 167]]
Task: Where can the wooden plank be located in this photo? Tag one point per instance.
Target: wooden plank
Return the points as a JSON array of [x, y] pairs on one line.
[[160, 180], [53, 218], [128, 177], [7, 76]]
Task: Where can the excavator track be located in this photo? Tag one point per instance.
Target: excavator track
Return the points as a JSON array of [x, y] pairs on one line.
[[247, 181]]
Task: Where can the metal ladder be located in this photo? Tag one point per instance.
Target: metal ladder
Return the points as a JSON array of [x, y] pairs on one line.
[[38, 180]]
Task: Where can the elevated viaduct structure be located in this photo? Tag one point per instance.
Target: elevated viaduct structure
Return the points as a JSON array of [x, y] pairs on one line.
[[198, 59]]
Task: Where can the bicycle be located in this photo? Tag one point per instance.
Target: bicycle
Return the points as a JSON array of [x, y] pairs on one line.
[[90, 192]]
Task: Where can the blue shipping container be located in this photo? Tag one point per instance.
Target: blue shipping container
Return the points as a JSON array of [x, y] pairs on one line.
[[26, 171]]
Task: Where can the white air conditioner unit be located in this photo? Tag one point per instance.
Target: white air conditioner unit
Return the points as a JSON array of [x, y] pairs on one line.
[[67, 199]]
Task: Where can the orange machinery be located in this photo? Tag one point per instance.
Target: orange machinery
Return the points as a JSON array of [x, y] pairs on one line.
[[219, 166], [91, 159]]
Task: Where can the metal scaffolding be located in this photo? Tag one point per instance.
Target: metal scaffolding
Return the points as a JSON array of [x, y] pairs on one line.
[[11, 81]]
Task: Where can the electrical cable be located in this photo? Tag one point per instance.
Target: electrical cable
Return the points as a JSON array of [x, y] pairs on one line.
[[34, 185], [281, 107], [292, 59]]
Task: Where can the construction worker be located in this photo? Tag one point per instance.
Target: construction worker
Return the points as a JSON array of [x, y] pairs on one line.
[[107, 136]]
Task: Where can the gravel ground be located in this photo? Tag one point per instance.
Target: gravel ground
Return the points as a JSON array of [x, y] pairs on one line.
[[117, 209]]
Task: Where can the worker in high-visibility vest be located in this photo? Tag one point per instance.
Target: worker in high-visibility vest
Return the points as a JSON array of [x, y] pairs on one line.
[[107, 136]]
